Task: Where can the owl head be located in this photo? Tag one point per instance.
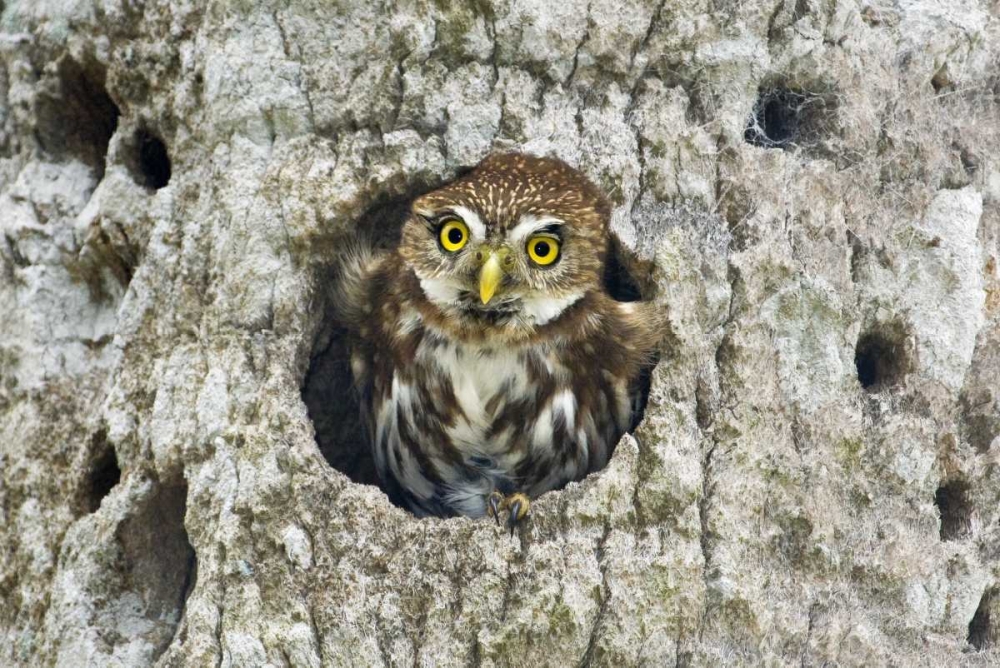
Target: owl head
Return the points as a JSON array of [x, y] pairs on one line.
[[510, 246]]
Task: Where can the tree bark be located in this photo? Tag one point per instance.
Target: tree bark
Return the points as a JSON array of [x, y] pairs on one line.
[[810, 190]]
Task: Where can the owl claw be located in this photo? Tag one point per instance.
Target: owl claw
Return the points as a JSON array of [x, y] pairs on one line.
[[512, 520], [495, 501], [515, 507]]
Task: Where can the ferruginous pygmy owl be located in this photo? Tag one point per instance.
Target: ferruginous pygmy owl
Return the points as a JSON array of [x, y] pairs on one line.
[[491, 362]]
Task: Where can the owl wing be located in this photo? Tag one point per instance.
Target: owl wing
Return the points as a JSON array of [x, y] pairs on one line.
[[628, 339], [356, 266]]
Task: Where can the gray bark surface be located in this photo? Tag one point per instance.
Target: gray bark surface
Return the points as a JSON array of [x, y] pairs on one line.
[[809, 188]]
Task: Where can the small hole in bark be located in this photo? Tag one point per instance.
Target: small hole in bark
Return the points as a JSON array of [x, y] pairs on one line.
[[158, 567], [104, 475], [149, 163], [784, 117], [154, 161], [982, 628], [952, 500], [75, 116], [942, 82], [775, 120], [881, 357]]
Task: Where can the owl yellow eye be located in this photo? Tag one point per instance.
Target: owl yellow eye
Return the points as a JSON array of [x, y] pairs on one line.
[[543, 250], [454, 235]]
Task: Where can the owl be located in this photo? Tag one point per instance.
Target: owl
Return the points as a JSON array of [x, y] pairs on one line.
[[490, 361]]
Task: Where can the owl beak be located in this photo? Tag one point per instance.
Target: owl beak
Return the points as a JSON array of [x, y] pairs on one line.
[[489, 278], [492, 273]]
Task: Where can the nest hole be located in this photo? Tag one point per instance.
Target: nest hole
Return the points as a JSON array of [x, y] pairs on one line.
[[628, 280], [158, 564], [618, 277], [328, 389], [104, 475], [75, 116], [942, 81], [983, 631], [882, 358], [785, 117], [148, 160], [952, 500]]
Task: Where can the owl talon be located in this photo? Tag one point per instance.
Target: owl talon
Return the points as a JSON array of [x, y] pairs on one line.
[[512, 519], [519, 506], [495, 502], [514, 507]]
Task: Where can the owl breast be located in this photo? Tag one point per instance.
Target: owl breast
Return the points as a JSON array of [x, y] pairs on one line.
[[460, 420]]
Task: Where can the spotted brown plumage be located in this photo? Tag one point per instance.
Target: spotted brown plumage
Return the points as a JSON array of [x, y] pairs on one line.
[[491, 363]]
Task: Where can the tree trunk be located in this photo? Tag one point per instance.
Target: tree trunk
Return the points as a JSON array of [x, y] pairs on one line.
[[810, 190]]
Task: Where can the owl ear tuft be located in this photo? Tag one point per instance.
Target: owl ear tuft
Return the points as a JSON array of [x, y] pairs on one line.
[[423, 212], [422, 208]]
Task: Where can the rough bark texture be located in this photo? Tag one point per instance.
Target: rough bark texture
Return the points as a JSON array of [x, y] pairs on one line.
[[810, 189]]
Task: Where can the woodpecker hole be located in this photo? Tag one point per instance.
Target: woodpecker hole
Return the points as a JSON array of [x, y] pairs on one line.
[[983, 631], [952, 500], [785, 117], [882, 357], [75, 117], [148, 162], [942, 81], [158, 566], [104, 475]]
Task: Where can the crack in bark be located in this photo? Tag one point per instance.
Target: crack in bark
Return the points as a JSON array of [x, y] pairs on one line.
[[640, 144], [588, 655], [639, 480], [14, 252], [477, 659], [509, 585], [704, 538], [644, 42], [680, 659], [218, 629], [492, 59], [420, 631], [813, 610], [707, 483], [576, 53], [304, 89], [381, 639], [458, 582], [315, 631], [578, 118], [400, 97]]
